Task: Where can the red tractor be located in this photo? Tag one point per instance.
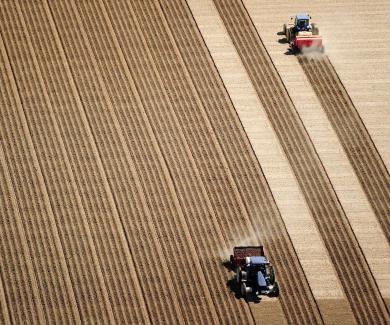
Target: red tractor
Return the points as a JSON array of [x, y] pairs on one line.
[[254, 273], [302, 34]]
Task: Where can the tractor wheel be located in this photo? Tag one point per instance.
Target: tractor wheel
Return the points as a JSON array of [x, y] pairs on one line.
[[245, 290], [272, 275], [244, 275], [288, 35], [275, 291], [314, 29], [238, 275]]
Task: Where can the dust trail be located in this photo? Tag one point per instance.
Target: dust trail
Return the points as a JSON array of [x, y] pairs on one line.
[[313, 52]]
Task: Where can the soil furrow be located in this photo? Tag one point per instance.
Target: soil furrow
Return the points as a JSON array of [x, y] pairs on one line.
[[179, 160], [21, 296], [353, 135], [55, 287], [4, 314], [113, 252], [105, 124], [238, 153], [315, 185], [74, 232], [229, 210], [301, 165]]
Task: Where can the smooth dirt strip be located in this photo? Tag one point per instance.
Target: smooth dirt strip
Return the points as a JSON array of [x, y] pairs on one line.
[[326, 209], [358, 145], [246, 174]]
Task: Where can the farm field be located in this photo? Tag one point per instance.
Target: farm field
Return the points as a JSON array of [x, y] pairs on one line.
[[140, 141]]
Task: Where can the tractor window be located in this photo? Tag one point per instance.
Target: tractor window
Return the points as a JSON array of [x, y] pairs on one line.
[[301, 23]]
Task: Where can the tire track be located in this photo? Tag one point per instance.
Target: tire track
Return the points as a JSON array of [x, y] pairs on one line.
[[326, 209], [107, 131], [178, 157], [113, 253], [19, 292], [55, 289], [361, 151], [79, 249], [246, 171]]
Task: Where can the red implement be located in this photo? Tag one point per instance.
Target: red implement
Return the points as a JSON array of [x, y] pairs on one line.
[[312, 41], [240, 252]]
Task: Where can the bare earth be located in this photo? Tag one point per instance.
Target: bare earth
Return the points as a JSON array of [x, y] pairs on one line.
[[140, 141]]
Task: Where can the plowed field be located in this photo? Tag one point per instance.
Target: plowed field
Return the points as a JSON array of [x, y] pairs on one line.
[[127, 172]]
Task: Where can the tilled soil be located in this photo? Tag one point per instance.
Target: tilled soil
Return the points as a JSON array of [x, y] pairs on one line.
[[357, 143], [126, 175], [333, 225], [259, 205]]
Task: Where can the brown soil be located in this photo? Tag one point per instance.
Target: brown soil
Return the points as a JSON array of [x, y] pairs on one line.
[[333, 225], [126, 177], [357, 143]]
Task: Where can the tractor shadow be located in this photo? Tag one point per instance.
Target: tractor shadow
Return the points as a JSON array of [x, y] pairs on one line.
[[283, 40], [235, 288], [227, 265]]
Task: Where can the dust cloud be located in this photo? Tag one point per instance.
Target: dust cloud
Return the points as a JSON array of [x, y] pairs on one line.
[[313, 52]]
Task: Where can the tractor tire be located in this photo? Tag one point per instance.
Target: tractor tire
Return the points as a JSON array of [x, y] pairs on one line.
[[272, 275], [275, 291], [314, 29], [244, 276], [238, 275], [245, 290], [288, 35]]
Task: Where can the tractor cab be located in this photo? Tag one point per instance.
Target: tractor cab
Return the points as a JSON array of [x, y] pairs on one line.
[[256, 269], [302, 23]]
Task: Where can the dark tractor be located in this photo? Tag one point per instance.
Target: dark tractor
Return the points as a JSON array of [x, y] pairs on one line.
[[254, 274]]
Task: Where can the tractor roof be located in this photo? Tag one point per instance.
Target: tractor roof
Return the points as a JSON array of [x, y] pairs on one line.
[[259, 260], [303, 16]]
